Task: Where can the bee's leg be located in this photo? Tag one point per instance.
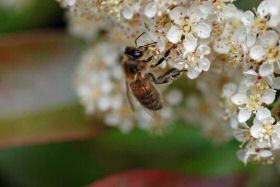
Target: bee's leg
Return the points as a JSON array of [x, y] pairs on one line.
[[148, 59], [167, 77], [145, 47], [165, 55]]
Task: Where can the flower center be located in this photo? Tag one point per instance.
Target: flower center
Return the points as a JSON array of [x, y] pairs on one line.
[[193, 61], [273, 54], [187, 26], [260, 24], [255, 102]]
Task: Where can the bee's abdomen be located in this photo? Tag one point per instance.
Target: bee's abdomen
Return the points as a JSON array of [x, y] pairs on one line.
[[146, 94], [150, 100]]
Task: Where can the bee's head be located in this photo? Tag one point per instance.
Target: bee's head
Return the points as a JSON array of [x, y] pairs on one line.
[[133, 52]]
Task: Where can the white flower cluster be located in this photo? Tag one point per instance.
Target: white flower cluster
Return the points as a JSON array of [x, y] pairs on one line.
[[251, 42], [238, 49]]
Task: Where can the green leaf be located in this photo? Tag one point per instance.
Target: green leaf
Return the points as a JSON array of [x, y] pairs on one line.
[[34, 14]]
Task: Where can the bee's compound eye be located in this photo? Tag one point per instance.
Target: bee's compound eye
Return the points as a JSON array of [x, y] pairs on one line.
[[137, 54], [134, 53]]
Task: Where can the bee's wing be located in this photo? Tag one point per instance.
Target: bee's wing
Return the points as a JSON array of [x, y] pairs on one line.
[[129, 97], [151, 113]]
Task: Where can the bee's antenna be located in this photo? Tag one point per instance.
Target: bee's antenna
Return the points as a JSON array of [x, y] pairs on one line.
[[138, 38], [145, 46]]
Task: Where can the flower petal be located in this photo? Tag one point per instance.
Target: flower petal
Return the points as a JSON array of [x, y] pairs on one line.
[[275, 140], [269, 120], [190, 43], [127, 13], [250, 72], [206, 7], [174, 34], [276, 83], [266, 69], [269, 96], [251, 40], [269, 38], [204, 64], [203, 50], [193, 74], [264, 8], [243, 115], [265, 153], [150, 10], [221, 47], [203, 30], [248, 18], [263, 113], [243, 155], [256, 130], [239, 135], [257, 52], [178, 14], [239, 99]]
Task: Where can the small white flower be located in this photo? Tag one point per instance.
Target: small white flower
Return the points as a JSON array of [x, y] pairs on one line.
[[150, 10], [195, 59], [253, 153], [178, 14], [266, 132], [127, 12], [252, 97]]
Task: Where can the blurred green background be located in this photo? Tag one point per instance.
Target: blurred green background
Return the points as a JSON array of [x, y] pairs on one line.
[[83, 159]]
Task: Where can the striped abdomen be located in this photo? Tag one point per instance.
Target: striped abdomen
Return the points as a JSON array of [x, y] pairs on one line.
[[146, 93]]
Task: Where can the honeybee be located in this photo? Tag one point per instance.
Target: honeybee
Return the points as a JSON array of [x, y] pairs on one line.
[[140, 81]]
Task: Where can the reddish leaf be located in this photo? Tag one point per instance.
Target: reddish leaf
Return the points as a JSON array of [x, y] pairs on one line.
[[154, 178]]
